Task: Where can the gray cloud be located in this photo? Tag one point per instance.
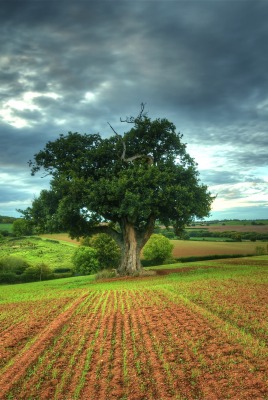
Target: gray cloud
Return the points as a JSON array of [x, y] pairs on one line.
[[221, 177], [203, 65]]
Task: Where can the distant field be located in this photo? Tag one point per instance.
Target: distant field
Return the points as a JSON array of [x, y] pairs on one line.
[[185, 248], [6, 227], [197, 332], [227, 228], [59, 236], [240, 222]]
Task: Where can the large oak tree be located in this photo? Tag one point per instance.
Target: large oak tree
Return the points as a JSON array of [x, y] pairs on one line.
[[122, 184]]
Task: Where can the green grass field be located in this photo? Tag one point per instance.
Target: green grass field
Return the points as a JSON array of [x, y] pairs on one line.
[[36, 250], [6, 227]]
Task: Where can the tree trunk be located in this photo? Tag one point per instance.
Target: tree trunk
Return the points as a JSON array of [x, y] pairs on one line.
[[130, 261]]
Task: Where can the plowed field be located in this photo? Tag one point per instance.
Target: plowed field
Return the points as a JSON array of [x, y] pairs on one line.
[[197, 335]]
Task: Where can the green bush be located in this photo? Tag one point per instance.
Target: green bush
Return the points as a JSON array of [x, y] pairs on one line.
[[85, 261], [158, 249], [108, 252], [8, 277], [22, 227], [12, 264], [39, 272]]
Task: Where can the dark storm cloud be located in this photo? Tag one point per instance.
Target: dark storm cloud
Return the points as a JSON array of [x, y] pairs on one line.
[[255, 158], [18, 146], [9, 194], [221, 177], [201, 64]]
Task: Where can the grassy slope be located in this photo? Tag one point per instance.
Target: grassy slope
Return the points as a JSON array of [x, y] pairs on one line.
[[55, 255]]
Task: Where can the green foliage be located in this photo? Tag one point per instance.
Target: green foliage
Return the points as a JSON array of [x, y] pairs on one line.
[[13, 264], [260, 250], [31, 251], [42, 214], [128, 180], [37, 272], [6, 220], [85, 261], [22, 227], [108, 252], [237, 237], [9, 277], [90, 173], [158, 249], [16, 269], [35, 250]]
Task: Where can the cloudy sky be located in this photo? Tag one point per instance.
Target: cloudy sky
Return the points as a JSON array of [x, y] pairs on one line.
[[74, 65]]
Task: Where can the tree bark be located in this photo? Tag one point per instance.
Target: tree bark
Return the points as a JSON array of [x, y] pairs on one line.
[[130, 260], [133, 243]]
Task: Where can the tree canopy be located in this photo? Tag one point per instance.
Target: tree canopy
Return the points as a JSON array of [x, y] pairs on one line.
[[120, 185]]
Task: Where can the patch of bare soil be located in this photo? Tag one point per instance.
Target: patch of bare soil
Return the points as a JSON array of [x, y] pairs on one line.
[[135, 345]]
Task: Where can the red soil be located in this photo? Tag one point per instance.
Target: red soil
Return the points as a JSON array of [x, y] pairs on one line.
[[135, 345]]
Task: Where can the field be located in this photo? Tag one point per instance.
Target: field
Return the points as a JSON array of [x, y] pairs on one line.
[[185, 248], [233, 227], [36, 250], [56, 250], [6, 227], [192, 331]]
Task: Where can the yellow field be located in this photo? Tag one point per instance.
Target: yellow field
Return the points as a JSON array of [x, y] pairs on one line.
[[186, 248]]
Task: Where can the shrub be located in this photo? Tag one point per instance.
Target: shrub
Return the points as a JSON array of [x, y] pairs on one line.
[[22, 227], [39, 272], [13, 264], [260, 250], [8, 277], [158, 249], [106, 274], [85, 261], [108, 252]]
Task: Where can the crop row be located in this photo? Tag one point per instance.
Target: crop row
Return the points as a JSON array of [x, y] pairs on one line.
[[135, 344]]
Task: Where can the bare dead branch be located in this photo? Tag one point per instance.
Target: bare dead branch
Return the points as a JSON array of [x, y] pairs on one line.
[[117, 134], [123, 157], [150, 158], [132, 120]]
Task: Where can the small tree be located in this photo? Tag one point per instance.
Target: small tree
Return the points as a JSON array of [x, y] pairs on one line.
[[38, 272], [108, 252], [158, 249], [85, 261]]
